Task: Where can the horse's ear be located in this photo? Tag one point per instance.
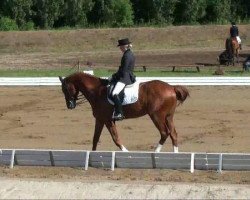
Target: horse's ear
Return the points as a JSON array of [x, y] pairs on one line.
[[61, 79]]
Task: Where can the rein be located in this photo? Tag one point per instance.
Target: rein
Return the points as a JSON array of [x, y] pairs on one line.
[[80, 99]]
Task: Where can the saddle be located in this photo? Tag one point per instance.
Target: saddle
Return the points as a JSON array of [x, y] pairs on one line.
[[128, 95], [235, 41]]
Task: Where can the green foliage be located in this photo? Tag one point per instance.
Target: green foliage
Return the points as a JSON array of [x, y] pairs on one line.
[[19, 10], [75, 13], [164, 11], [7, 24], [154, 11], [47, 14], [28, 26], [190, 11], [219, 11], [122, 12], [144, 11], [240, 9], [114, 13]]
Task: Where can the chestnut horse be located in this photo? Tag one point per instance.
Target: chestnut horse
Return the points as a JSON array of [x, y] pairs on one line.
[[156, 98], [233, 49]]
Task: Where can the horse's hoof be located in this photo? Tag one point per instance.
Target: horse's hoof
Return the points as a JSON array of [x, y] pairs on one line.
[[124, 149]]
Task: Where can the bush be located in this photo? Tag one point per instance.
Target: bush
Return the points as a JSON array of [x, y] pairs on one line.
[[28, 26], [7, 24]]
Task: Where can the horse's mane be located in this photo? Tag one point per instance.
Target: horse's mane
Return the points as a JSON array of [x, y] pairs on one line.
[[82, 75]]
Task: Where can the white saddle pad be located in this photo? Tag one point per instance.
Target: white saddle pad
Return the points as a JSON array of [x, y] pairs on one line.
[[130, 94]]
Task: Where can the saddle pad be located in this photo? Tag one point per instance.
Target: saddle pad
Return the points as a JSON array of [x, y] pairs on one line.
[[130, 94]]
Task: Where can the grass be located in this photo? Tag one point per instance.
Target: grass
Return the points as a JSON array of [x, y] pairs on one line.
[[160, 72], [32, 73]]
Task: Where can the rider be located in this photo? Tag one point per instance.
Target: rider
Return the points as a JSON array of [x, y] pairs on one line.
[[124, 76], [234, 33]]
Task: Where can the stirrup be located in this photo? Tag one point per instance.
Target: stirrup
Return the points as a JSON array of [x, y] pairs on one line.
[[117, 116]]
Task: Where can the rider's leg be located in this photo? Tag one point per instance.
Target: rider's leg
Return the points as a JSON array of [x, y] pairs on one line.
[[118, 114], [239, 41]]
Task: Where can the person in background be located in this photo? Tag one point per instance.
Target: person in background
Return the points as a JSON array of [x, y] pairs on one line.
[[234, 33], [124, 76]]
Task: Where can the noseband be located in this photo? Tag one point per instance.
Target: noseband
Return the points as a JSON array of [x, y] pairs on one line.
[[78, 99]]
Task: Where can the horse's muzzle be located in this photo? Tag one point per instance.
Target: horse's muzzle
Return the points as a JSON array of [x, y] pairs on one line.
[[71, 104]]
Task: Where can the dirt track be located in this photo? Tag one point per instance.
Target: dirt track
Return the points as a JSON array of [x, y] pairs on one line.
[[36, 117], [111, 59], [41, 189]]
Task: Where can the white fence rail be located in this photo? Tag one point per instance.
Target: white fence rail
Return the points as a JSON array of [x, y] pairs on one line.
[[132, 160], [53, 81]]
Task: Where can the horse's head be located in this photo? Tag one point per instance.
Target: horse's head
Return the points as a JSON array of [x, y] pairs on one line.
[[70, 93]]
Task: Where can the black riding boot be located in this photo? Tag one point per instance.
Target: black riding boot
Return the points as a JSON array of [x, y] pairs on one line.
[[118, 114]]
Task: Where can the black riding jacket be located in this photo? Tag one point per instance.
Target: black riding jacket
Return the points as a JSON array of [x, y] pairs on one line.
[[234, 31], [125, 71]]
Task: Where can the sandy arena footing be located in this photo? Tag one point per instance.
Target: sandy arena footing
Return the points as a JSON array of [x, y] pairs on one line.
[[47, 189]]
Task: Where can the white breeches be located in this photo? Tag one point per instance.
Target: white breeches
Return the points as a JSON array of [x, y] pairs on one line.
[[238, 39], [118, 88]]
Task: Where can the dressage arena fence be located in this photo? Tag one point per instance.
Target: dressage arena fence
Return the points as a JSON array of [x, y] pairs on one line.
[[53, 81], [132, 160]]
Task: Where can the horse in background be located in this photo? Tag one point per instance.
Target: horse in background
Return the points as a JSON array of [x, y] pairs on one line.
[[156, 98], [232, 49]]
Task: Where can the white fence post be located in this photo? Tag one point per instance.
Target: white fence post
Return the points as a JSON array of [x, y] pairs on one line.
[[220, 163], [87, 160], [113, 161], [192, 163], [12, 161]]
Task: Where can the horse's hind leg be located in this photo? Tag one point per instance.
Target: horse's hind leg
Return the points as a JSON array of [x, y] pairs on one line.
[[159, 122], [173, 133], [113, 131]]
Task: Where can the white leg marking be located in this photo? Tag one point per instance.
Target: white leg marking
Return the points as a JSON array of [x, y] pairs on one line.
[[176, 150], [124, 149], [158, 148]]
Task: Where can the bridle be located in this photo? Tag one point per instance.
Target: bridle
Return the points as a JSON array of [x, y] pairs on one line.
[[72, 101]]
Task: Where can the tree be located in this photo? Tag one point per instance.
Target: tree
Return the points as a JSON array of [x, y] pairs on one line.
[[240, 9], [218, 11], [112, 13], [123, 13], [19, 10], [1, 7], [190, 11], [154, 11], [144, 11], [164, 11], [46, 12], [7, 24], [75, 13]]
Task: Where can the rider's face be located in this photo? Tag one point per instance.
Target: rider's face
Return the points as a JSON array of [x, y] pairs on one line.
[[123, 48]]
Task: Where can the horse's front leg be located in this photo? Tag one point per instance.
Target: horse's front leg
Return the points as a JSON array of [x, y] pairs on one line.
[[113, 131], [98, 130]]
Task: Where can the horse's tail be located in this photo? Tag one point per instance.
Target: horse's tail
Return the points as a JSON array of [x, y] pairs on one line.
[[181, 93]]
